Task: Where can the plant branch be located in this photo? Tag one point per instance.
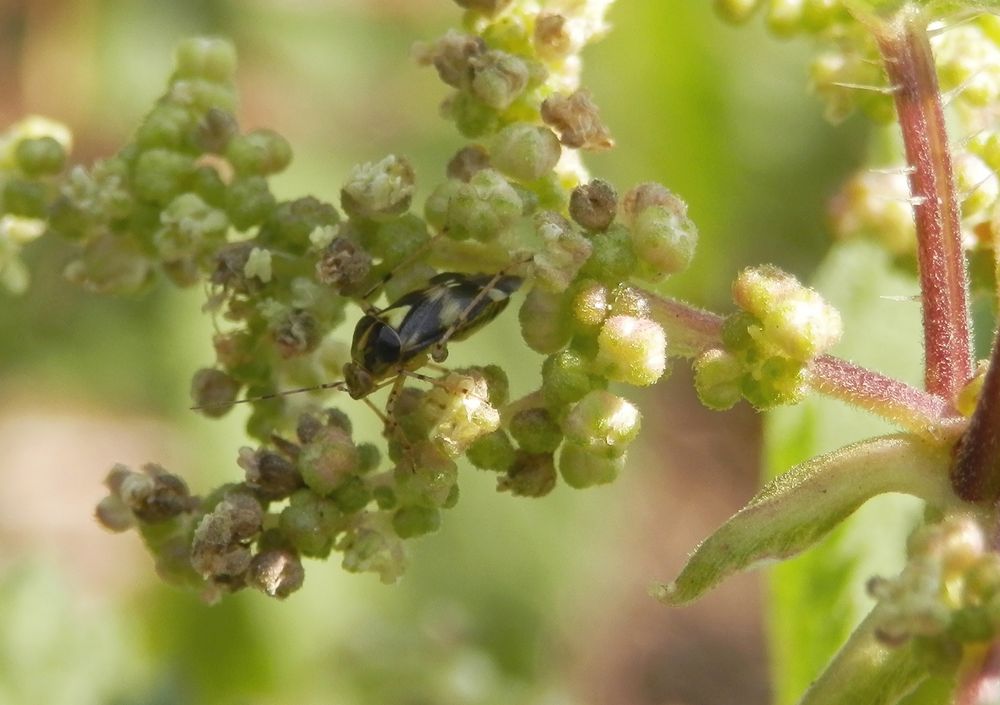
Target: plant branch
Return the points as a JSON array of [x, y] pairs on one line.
[[909, 63], [906, 406], [976, 471], [691, 331]]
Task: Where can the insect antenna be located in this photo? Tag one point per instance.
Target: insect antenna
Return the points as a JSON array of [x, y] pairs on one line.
[[341, 386]]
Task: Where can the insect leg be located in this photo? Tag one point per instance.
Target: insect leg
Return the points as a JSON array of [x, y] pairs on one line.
[[439, 352]]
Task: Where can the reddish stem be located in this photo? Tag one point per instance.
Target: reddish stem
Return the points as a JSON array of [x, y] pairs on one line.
[[889, 398], [975, 474], [909, 63]]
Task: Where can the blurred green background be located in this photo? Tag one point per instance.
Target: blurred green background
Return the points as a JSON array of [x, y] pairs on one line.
[[514, 601]]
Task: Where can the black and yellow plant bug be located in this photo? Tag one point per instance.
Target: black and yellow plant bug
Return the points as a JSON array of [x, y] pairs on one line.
[[391, 343]]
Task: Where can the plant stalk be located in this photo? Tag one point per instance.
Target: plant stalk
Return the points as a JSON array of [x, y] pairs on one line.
[[909, 63]]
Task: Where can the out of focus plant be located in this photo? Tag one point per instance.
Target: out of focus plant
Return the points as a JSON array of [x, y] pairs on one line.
[[518, 216]]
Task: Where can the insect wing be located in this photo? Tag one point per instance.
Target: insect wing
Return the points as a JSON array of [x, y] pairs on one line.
[[453, 302]]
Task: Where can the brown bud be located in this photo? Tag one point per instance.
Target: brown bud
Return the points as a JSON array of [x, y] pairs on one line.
[[593, 206]]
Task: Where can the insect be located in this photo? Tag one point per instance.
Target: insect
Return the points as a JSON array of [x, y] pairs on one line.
[[390, 344]]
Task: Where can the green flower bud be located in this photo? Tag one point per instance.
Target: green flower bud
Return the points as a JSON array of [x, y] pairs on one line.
[[190, 228], [352, 495], [531, 475], [167, 126], [259, 153], [875, 205], [160, 175], [206, 182], [664, 240], [215, 391], [385, 497], [291, 223], [736, 10], [613, 258], [425, 475], [795, 320], [41, 156], [27, 199], [581, 468], [736, 331], [774, 382], [210, 58], [493, 451], [536, 431], [593, 206], [473, 118], [398, 240], [718, 379], [969, 62], [31, 128], [311, 523], [602, 424], [564, 251], [977, 183], [482, 208], [784, 17], [328, 460], [526, 152], [577, 120], [565, 378], [498, 78], [625, 300], [436, 205], [379, 190], [369, 456], [201, 95], [590, 305], [545, 325], [276, 572], [631, 350], [249, 202], [409, 522], [986, 145]]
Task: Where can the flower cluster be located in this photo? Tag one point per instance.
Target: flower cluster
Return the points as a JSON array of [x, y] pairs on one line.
[[949, 590], [767, 345], [190, 198]]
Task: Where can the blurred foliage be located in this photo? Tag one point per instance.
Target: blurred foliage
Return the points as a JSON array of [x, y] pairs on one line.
[[498, 605]]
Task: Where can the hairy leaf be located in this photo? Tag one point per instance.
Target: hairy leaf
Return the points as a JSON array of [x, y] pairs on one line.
[[798, 508]]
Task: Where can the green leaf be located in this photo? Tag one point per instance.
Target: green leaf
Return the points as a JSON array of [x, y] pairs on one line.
[[867, 671], [799, 508], [819, 597]]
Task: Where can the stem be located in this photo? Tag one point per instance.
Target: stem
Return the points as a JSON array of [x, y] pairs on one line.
[[891, 399], [976, 472], [909, 63]]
